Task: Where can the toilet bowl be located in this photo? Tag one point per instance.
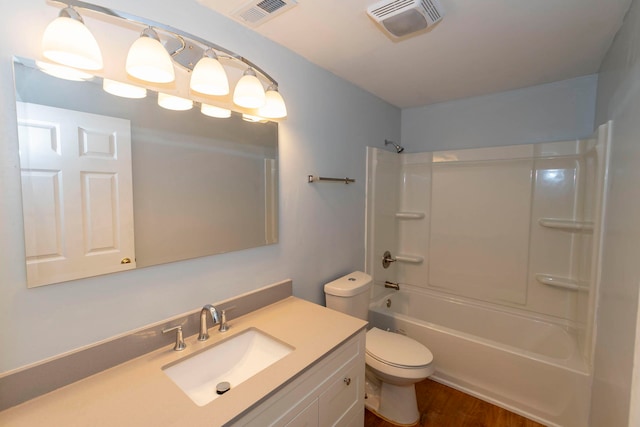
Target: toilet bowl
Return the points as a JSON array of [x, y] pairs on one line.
[[395, 363]]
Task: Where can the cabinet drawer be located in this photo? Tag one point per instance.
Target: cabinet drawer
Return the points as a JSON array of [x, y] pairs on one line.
[[344, 397]]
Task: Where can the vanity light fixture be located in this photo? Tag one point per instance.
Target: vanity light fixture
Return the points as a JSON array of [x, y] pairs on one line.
[[67, 41], [213, 111], [274, 107], [208, 76], [148, 60], [63, 72], [171, 102], [123, 90], [249, 92], [153, 56]]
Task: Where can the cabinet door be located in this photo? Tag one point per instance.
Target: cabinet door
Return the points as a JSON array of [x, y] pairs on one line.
[[340, 403], [320, 396], [307, 418]]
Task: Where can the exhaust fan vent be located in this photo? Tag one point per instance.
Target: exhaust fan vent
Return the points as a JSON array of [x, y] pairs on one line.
[[271, 6], [255, 13], [402, 17]]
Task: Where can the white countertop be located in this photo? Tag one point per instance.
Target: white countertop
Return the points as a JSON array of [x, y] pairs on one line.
[[139, 393]]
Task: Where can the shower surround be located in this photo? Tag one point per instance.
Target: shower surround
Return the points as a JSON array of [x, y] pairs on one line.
[[497, 256]]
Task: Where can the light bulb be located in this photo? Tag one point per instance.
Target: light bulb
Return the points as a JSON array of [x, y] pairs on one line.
[[208, 76], [148, 60], [249, 92], [67, 41]]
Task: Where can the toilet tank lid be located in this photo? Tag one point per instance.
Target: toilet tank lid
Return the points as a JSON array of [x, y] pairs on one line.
[[349, 285]]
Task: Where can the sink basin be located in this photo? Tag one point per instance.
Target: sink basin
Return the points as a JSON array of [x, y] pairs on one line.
[[233, 360]]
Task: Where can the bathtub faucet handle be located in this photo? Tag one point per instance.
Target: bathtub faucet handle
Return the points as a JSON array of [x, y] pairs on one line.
[[387, 259], [392, 285]]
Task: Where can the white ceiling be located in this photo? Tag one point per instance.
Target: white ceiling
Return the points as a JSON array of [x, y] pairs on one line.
[[480, 47]]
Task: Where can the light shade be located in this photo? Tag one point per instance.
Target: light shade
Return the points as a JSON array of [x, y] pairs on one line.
[[209, 77], [67, 41], [63, 72], [213, 111], [148, 60], [123, 90], [176, 103], [274, 107], [249, 92]]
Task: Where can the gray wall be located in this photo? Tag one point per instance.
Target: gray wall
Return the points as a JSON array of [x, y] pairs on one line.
[[551, 112], [321, 225], [616, 386]]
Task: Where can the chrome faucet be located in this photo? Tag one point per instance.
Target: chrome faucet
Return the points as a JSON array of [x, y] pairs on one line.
[[392, 285], [204, 335]]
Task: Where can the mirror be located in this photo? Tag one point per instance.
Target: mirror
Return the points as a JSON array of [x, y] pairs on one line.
[[111, 183]]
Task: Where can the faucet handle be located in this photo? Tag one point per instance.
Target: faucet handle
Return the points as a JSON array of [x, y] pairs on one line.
[[180, 345], [224, 326]]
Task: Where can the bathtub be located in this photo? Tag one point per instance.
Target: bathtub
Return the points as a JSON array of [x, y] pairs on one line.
[[525, 364]]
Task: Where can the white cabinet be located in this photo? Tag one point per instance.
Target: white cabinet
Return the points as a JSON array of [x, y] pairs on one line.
[[344, 393], [307, 418], [329, 393]]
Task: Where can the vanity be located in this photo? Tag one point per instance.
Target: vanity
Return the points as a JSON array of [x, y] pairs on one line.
[[319, 382]]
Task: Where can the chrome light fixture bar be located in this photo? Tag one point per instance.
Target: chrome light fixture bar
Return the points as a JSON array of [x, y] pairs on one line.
[[184, 48]]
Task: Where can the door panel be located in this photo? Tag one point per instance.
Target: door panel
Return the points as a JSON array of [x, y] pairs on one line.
[[77, 193]]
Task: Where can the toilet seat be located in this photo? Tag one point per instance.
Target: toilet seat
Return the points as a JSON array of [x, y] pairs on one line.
[[397, 350]]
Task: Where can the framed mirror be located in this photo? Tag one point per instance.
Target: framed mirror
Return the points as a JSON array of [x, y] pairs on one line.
[[111, 183]]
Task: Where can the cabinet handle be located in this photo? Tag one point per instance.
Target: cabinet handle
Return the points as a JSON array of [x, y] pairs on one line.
[[347, 381]]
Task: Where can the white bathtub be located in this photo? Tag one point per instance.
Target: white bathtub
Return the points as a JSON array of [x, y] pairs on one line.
[[527, 365]]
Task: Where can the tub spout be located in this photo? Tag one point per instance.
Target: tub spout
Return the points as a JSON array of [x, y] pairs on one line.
[[392, 285]]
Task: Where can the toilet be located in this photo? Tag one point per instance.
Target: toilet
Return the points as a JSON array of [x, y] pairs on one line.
[[395, 363]]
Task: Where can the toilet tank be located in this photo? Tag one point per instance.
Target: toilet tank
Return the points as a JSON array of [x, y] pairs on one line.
[[350, 294]]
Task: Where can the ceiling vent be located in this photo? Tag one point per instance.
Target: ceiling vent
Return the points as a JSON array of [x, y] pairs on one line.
[[402, 17], [255, 12]]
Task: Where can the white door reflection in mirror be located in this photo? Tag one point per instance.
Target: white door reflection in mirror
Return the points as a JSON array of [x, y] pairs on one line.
[[77, 193]]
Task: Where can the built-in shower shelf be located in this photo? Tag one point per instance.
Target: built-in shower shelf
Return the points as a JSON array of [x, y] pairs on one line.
[[560, 282], [566, 224], [412, 259], [410, 215]]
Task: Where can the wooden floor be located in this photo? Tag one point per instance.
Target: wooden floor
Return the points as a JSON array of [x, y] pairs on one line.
[[443, 406]]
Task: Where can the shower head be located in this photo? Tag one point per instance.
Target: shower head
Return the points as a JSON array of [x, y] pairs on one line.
[[399, 148]]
